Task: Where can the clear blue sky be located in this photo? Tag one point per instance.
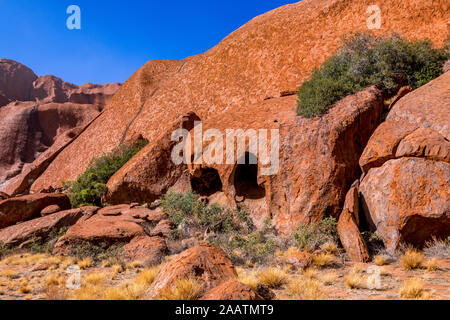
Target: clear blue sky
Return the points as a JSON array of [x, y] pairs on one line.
[[116, 37]]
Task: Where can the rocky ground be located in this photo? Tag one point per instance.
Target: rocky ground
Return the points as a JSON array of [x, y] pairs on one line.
[[42, 277]]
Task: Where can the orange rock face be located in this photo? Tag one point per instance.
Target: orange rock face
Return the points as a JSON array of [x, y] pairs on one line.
[[208, 264], [348, 228], [406, 190], [24, 208], [232, 291], [148, 250], [36, 112], [40, 228], [228, 87]]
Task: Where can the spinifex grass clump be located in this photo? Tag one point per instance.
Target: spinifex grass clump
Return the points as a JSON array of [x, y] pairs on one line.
[[91, 185], [366, 60]]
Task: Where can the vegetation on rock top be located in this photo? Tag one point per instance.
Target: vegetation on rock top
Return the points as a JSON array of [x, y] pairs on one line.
[[366, 60], [91, 185]]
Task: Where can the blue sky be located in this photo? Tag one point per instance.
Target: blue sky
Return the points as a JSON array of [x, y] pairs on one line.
[[116, 37]]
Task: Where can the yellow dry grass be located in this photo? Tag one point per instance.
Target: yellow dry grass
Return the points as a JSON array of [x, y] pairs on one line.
[[413, 289], [380, 260], [355, 280], [248, 277], [330, 247], [302, 288], [85, 263], [183, 289], [273, 277], [324, 260], [412, 259], [432, 265], [95, 278]]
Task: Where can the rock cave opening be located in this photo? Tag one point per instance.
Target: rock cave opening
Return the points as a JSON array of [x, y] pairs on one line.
[[246, 179], [206, 182]]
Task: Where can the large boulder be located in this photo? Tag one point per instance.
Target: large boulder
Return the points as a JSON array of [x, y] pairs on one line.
[[405, 191], [244, 83], [110, 226], [205, 263], [148, 250], [40, 228], [14, 210], [232, 291], [348, 228], [408, 200]]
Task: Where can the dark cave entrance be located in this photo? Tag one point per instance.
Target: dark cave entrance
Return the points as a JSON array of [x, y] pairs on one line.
[[246, 179], [206, 182]]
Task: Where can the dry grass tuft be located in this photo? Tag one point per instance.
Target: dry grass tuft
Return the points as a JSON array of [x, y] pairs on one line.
[[302, 288], [273, 278], [147, 276], [380, 260], [324, 260], [432, 265], [411, 259], [413, 290], [249, 278], [95, 278], [183, 289], [85, 263], [331, 248], [355, 281], [329, 278]]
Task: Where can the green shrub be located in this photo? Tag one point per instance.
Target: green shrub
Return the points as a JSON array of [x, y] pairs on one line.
[[313, 236], [91, 185], [366, 60], [195, 215], [231, 230], [97, 252]]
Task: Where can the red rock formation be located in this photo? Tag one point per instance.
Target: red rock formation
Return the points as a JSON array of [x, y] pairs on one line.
[[207, 264], [148, 250], [16, 81], [40, 228], [29, 128], [232, 291], [227, 87], [348, 228], [114, 225], [24, 208], [406, 189]]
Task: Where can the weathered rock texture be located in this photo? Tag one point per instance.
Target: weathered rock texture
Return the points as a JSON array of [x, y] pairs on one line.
[[39, 229], [24, 208], [37, 111], [405, 192], [205, 263], [348, 228], [227, 87], [232, 291], [117, 225]]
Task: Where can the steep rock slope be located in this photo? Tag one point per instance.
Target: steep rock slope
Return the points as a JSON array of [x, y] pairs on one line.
[[35, 112], [271, 54]]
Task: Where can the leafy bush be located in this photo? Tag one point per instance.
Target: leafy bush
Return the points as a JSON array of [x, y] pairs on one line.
[[313, 236], [186, 209], [366, 60], [91, 185], [231, 230], [96, 252]]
